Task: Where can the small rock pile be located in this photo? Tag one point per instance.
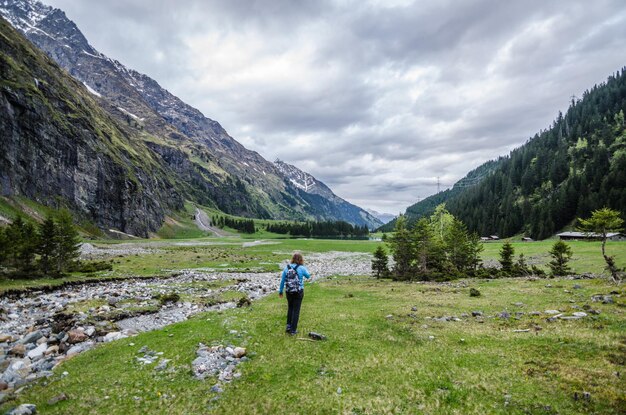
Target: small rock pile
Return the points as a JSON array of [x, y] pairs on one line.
[[218, 361]]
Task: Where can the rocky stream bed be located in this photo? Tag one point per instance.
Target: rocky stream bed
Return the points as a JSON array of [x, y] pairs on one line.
[[41, 329]]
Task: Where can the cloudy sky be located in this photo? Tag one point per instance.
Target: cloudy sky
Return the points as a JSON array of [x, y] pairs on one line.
[[375, 98]]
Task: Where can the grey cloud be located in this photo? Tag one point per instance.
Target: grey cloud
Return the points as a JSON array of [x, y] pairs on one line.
[[376, 101]]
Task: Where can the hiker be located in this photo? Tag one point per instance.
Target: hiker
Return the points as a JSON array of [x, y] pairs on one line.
[[292, 281]]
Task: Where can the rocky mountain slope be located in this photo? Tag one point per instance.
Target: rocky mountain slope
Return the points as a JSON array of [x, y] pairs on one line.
[[211, 167], [58, 143], [309, 187]]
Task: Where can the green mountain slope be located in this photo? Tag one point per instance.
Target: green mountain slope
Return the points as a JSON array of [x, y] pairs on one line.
[[575, 166]]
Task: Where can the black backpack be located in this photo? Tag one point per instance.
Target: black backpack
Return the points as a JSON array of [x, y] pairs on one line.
[[292, 282]]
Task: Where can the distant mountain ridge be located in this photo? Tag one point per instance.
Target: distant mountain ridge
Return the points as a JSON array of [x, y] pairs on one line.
[[308, 184], [383, 217], [575, 166], [211, 167]]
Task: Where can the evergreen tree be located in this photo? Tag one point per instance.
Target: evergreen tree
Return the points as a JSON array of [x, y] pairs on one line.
[[561, 254], [603, 221], [428, 255], [3, 247], [379, 263], [457, 243], [506, 257], [47, 245], [68, 248], [401, 248]]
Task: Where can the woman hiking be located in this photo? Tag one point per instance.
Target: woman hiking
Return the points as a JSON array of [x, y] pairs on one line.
[[293, 281]]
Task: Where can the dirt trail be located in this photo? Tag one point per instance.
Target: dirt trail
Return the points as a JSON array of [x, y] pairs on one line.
[[204, 223]]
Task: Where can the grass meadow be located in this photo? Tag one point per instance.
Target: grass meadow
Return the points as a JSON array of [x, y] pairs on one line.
[[387, 350]]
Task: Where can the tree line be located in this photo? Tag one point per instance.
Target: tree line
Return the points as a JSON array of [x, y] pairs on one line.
[[441, 248], [50, 248], [334, 229], [242, 225]]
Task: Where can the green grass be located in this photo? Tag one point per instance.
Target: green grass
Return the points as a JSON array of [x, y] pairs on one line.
[[382, 365], [587, 255]]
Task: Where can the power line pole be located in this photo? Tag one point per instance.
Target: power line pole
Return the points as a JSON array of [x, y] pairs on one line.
[[438, 184]]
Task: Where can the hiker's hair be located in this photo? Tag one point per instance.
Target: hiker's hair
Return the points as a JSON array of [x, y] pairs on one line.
[[297, 259]]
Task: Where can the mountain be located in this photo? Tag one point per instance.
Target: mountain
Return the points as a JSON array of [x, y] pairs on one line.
[[58, 143], [310, 188], [575, 166], [206, 164], [383, 217]]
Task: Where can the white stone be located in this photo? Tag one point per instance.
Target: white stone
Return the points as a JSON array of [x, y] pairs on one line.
[[116, 335], [38, 351]]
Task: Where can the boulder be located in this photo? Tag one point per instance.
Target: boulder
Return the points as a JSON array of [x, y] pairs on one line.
[[31, 337], [239, 352], [24, 409], [18, 350], [76, 336], [4, 338], [38, 351]]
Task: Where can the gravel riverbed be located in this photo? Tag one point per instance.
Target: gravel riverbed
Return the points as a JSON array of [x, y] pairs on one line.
[[38, 329]]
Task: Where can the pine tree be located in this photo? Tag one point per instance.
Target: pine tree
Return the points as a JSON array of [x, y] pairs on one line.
[[603, 221], [561, 254], [401, 248], [506, 257], [47, 245], [68, 249], [427, 253], [379, 263], [3, 247]]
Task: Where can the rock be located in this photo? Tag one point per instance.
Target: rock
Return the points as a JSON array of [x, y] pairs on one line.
[[4, 338], [162, 365], [52, 350], [605, 299], [38, 351], [477, 313], [518, 304], [31, 337], [3, 386], [116, 335], [474, 292], [579, 314], [505, 315], [18, 350], [76, 336], [79, 348], [316, 336], [216, 389], [56, 399], [552, 311], [90, 331], [240, 352], [577, 287], [413, 308], [24, 409]]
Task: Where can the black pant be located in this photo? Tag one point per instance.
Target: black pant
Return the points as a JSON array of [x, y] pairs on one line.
[[294, 301]]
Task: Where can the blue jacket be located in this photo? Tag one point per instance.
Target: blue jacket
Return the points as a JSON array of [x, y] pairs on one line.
[[302, 274]]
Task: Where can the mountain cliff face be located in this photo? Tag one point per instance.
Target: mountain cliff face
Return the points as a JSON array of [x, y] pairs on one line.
[[210, 166], [309, 187], [58, 143]]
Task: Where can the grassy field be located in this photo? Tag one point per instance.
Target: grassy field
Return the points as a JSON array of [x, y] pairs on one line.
[[385, 353], [380, 356], [230, 254]]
